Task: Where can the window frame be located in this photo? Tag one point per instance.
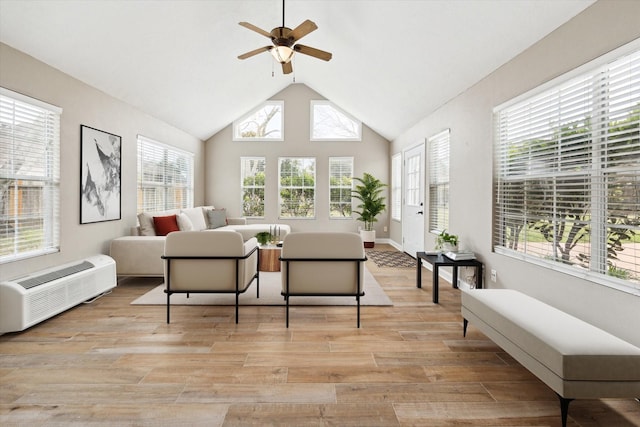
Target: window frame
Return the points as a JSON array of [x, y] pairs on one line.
[[351, 161], [45, 175], [237, 123], [598, 71], [164, 150], [312, 123], [439, 146], [281, 187], [253, 187]]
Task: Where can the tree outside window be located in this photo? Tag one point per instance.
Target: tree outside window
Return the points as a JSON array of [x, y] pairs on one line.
[[297, 187]]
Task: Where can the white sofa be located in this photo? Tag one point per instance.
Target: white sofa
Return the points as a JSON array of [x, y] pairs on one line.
[[140, 253]]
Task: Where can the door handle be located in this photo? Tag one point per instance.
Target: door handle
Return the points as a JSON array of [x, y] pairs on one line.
[[420, 212]]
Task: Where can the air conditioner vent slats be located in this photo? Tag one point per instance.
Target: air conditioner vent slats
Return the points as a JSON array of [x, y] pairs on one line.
[[54, 275]]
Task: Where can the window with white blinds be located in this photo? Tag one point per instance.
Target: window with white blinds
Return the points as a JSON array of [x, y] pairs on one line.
[[165, 176], [252, 185], [29, 177], [439, 181], [396, 187], [297, 187], [340, 185], [567, 179]]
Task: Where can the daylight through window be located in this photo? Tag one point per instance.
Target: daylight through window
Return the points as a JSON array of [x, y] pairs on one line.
[[265, 123], [568, 174], [340, 179], [297, 187], [29, 177], [165, 176], [328, 122], [252, 170], [439, 181]]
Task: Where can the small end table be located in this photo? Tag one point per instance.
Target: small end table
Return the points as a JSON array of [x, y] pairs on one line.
[[269, 258], [440, 260]]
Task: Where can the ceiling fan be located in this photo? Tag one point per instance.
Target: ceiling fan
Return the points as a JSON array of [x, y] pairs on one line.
[[284, 43]]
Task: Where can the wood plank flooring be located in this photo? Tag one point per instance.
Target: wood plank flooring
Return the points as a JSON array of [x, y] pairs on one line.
[[110, 363]]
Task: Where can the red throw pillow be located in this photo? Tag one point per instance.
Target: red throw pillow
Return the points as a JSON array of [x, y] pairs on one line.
[[165, 224]]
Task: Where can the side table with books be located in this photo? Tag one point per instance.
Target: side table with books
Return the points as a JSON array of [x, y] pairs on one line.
[[437, 260]]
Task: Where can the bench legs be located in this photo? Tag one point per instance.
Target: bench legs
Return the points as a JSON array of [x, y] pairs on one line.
[[464, 327], [564, 409]]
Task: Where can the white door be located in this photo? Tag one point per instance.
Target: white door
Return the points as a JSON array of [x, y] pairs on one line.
[[413, 208]]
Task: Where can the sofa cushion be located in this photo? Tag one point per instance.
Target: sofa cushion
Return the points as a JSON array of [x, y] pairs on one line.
[[146, 224], [217, 218], [196, 216], [165, 224], [184, 223]]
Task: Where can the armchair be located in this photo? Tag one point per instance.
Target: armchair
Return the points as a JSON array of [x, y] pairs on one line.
[[322, 264], [220, 262]]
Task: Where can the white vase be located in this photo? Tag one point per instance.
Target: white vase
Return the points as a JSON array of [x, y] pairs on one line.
[[368, 237], [449, 247]]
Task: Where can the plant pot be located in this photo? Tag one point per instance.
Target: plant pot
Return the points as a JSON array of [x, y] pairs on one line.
[[368, 237], [448, 247]]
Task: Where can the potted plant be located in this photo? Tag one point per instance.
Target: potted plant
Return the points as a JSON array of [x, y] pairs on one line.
[[372, 204], [263, 237], [447, 242]]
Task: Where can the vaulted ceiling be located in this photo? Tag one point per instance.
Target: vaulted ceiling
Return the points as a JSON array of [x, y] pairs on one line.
[[394, 61]]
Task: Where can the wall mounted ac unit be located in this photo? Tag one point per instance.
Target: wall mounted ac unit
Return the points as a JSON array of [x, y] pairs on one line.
[[31, 299]]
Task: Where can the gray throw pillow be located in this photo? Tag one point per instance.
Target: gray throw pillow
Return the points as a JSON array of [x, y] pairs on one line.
[[217, 218]]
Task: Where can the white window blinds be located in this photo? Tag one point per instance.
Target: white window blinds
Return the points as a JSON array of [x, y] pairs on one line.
[[29, 177], [439, 181], [165, 176], [568, 173]]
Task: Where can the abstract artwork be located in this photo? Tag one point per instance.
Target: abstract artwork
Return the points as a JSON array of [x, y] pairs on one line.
[[100, 176]]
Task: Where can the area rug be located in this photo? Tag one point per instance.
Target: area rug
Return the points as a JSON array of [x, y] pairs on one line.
[[392, 259], [270, 287]]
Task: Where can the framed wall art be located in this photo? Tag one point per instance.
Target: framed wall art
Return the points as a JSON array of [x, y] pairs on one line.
[[100, 184]]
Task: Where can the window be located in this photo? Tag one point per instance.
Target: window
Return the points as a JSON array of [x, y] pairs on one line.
[[396, 187], [29, 177], [252, 186], [297, 187], [568, 174], [265, 123], [165, 176], [340, 178], [439, 181], [328, 122]]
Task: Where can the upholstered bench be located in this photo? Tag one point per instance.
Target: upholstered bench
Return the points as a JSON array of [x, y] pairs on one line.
[[572, 357]]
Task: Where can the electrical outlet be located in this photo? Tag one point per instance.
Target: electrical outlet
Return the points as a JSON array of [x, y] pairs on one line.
[[385, 229], [494, 275]]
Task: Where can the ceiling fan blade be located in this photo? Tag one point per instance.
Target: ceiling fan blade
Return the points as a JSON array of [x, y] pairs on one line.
[[312, 51], [303, 29], [254, 52], [287, 68], [256, 29]]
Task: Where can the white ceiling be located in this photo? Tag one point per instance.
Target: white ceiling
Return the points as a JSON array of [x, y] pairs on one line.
[[394, 61]]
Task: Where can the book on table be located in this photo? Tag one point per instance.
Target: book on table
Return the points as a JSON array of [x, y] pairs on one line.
[[460, 256]]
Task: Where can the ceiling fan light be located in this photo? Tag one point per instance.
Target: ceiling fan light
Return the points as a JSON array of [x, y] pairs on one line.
[[282, 54]]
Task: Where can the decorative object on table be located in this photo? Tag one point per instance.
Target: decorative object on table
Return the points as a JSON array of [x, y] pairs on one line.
[[372, 204], [100, 195], [276, 234], [460, 255], [263, 237], [447, 242]]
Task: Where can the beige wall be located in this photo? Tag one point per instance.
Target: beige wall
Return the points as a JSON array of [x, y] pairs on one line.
[[84, 105], [223, 164], [599, 29]]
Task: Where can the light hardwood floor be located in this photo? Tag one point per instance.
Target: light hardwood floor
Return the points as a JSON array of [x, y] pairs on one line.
[[111, 363]]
